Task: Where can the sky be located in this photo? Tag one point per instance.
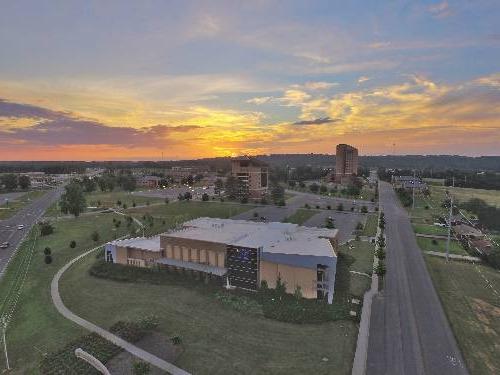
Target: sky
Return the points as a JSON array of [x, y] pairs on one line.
[[146, 80]]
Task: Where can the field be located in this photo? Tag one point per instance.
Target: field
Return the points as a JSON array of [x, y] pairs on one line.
[[37, 328], [17, 204], [470, 295], [370, 228], [426, 245], [491, 197], [358, 256], [301, 215], [434, 181], [430, 229], [109, 199]]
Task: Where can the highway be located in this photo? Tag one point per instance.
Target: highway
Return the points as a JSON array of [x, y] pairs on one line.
[[27, 216], [409, 332]]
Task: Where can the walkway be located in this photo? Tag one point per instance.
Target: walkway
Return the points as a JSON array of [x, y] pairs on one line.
[[466, 258], [118, 341]]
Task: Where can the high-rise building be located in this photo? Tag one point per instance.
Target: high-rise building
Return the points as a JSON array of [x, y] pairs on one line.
[[346, 163], [253, 173]]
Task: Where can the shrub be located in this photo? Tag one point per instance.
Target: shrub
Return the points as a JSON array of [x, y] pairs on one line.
[[328, 207], [118, 202], [134, 204], [434, 241], [205, 197], [340, 207], [72, 244], [176, 340], [95, 236], [364, 209], [255, 214], [47, 251], [48, 259], [141, 368], [317, 206], [307, 206], [380, 253], [166, 200], [380, 269], [359, 226], [124, 206], [280, 286]]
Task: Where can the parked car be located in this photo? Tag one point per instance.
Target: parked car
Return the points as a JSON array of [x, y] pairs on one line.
[[4, 245], [20, 226]]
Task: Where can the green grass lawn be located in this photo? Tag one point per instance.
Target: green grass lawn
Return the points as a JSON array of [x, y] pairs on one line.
[[216, 339], [15, 205], [300, 216], [429, 229], [109, 199], [472, 308], [491, 197], [434, 181], [426, 245], [356, 256], [37, 327], [370, 227]]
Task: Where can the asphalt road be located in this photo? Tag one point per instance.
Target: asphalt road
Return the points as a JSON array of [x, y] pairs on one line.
[[27, 216], [409, 332]]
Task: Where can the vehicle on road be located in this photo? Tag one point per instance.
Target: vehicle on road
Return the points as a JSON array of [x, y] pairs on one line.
[[20, 226], [4, 245]]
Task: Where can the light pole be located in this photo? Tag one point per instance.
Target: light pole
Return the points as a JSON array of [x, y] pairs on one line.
[[4, 328], [413, 192], [449, 224]]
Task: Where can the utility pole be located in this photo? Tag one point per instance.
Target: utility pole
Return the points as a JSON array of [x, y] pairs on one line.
[[449, 224], [413, 198], [4, 328]]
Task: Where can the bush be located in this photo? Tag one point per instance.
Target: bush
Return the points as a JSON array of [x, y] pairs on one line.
[[95, 236], [118, 202], [434, 241], [45, 228], [380, 253], [255, 214], [47, 251], [328, 207], [380, 269], [176, 340], [307, 206], [134, 204], [364, 209], [205, 197], [72, 244], [166, 200], [124, 206], [48, 259], [359, 226], [340, 207], [141, 368]]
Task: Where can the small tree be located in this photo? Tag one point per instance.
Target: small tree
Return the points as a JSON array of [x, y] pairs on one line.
[[256, 214], [72, 244], [280, 286], [48, 259], [46, 228], [95, 236], [47, 251], [205, 197], [24, 182], [188, 196], [380, 269], [118, 202], [297, 292], [340, 207], [73, 200], [329, 223], [364, 209], [166, 200], [359, 226], [323, 189], [380, 253]]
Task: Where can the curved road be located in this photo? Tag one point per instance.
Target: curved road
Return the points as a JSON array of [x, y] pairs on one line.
[[409, 332], [134, 350]]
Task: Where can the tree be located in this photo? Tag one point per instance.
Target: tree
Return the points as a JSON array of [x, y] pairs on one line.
[[72, 244], [205, 197], [219, 185], [314, 187], [73, 200], [364, 209], [380, 253], [359, 226], [277, 193], [24, 182], [340, 207], [323, 189], [89, 184], [95, 236], [329, 223], [380, 269], [188, 196], [127, 182], [292, 184], [45, 228], [166, 200], [47, 251], [9, 181], [233, 187], [48, 259]]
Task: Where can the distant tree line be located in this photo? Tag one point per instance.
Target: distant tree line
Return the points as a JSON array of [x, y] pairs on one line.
[[12, 181]]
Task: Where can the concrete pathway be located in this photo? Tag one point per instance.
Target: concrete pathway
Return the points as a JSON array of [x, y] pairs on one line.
[[466, 258], [118, 341]]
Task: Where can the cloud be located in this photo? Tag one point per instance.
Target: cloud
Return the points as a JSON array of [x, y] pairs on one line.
[[363, 79], [16, 110], [440, 10], [492, 80], [318, 121], [259, 100]]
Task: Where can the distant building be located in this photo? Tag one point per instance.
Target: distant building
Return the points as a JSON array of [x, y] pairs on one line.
[[253, 173], [179, 173], [150, 182], [409, 183], [346, 163], [241, 254]]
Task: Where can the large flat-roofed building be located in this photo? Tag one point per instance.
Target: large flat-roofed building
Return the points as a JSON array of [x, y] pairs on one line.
[[346, 163], [253, 173], [241, 253]]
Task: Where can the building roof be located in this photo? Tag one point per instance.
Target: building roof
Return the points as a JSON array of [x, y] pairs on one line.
[[143, 243], [254, 161], [467, 230], [278, 238]]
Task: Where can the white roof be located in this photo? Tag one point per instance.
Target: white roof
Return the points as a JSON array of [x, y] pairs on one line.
[[284, 238], [143, 243]]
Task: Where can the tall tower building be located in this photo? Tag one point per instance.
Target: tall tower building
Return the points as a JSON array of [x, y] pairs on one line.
[[346, 163], [253, 173]]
